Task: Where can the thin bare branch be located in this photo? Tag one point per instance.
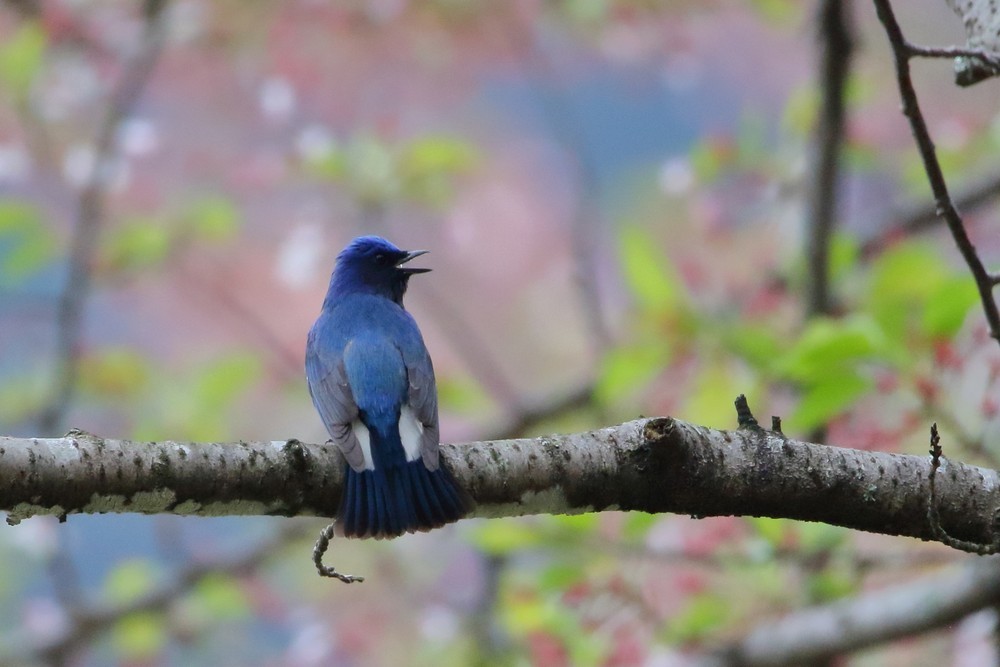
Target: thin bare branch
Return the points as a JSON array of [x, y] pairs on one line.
[[90, 216], [922, 216], [902, 52], [532, 416], [837, 44], [89, 621]]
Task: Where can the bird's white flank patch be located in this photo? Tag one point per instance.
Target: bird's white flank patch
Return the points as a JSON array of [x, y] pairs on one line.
[[365, 439], [411, 432]]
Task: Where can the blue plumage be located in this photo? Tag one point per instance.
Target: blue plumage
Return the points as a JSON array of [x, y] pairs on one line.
[[372, 381]]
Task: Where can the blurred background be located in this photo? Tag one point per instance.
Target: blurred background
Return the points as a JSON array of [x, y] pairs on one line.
[[617, 196]]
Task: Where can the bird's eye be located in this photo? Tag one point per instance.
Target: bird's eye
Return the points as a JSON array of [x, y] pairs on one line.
[[380, 258]]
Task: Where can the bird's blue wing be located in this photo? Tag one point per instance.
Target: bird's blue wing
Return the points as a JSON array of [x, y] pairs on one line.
[[332, 396]]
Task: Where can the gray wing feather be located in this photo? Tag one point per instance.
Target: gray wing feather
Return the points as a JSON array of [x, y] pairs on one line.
[[332, 396], [422, 397]]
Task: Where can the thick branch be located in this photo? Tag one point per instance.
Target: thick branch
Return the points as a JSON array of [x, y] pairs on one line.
[[650, 465]]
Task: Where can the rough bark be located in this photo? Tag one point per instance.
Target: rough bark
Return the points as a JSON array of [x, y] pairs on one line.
[[650, 465]]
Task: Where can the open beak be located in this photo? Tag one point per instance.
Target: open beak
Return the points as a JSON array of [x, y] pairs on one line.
[[411, 255]]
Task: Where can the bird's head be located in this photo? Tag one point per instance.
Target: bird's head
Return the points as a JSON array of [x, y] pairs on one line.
[[372, 264]]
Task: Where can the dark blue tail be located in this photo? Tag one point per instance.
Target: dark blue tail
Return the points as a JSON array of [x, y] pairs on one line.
[[398, 497]]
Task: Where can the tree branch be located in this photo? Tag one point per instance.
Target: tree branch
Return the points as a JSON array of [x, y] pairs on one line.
[[919, 217], [902, 52], [91, 620], [650, 465], [867, 620], [90, 212], [837, 43]]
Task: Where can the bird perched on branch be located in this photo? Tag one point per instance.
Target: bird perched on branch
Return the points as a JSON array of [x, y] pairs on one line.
[[371, 379]]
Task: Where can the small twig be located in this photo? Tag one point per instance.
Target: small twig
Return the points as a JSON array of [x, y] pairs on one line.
[[322, 544], [966, 441], [902, 52], [934, 518], [776, 424], [986, 57], [744, 417]]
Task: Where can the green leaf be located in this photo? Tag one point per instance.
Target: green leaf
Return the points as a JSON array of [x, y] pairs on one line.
[[577, 525], [830, 347], [703, 614], [429, 164], [844, 251], [503, 536], [711, 398], [772, 531], [114, 372], [139, 636], [777, 11], [524, 614], [800, 110], [129, 580], [638, 524], [648, 272], [219, 597], [21, 58], [372, 169], [26, 245], [587, 12], [754, 343], [437, 154], [709, 157], [331, 167], [586, 649], [22, 396], [626, 370], [560, 576], [223, 380], [948, 306], [903, 280], [815, 537], [528, 613], [826, 399], [829, 585], [213, 218], [139, 243], [461, 394], [197, 404]]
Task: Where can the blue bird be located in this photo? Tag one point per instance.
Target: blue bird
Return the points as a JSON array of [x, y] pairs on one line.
[[371, 379]]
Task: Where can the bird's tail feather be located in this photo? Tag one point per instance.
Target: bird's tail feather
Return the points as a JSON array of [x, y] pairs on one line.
[[399, 499]]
